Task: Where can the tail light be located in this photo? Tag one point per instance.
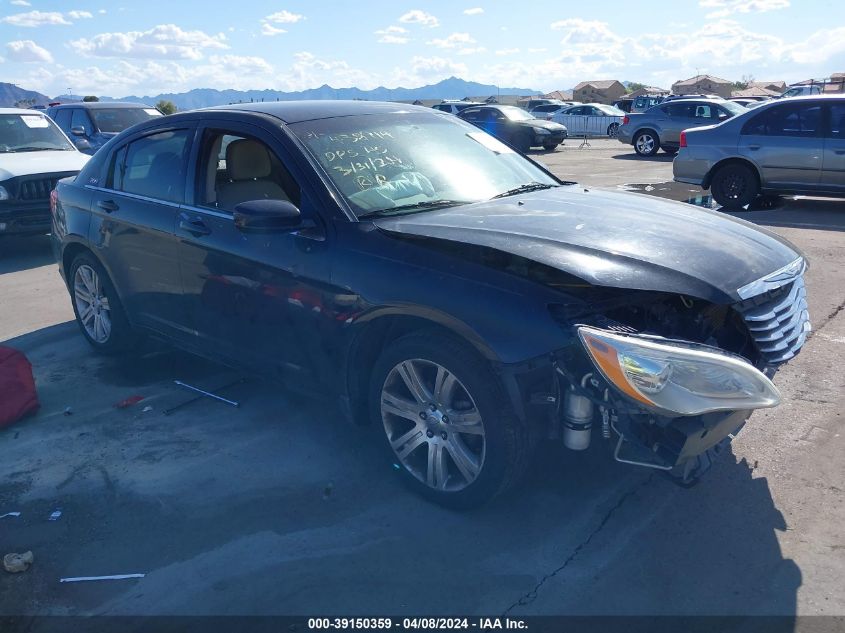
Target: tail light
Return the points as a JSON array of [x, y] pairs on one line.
[[683, 139], [626, 120], [54, 198]]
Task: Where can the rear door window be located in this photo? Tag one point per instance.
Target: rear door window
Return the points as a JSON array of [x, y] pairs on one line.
[[154, 166], [80, 119], [837, 121], [795, 120]]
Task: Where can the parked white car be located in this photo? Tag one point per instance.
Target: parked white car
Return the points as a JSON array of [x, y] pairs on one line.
[[590, 119], [34, 155], [547, 110]]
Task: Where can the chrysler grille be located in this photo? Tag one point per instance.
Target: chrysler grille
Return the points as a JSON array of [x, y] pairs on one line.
[[778, 321]]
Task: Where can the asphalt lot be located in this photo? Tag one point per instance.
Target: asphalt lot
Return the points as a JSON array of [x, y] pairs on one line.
[[279, 507]]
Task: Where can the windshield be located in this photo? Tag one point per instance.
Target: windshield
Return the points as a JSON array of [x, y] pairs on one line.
[[409, 162], [733, 108], [113, 120], [610, 110], [516, 114], [30, 133]]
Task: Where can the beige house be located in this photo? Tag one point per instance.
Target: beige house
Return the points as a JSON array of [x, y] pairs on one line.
[[560, 95], [754, 91], [648, 90], [603, 91], [703, 84], [775, 86]]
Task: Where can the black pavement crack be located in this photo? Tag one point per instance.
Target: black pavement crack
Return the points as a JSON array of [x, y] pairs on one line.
[[827, 320], [531, 596]]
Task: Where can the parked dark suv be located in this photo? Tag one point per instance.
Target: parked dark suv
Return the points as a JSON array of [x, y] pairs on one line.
[[442, 286], [91, 125]]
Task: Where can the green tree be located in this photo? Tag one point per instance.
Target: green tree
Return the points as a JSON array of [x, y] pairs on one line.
[[167, 107], [90, 99], [634, 86]]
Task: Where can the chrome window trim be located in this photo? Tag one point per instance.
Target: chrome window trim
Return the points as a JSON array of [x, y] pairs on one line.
[[134, 196], [211, 212], [778, 278]]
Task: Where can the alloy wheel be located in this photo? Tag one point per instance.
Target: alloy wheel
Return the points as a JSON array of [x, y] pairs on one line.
[[613, 130], [92, 305], [645, 143], [433, 425]]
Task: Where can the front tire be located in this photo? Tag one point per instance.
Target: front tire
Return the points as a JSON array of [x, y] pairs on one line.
[[613, 130], [550, 147], [97, 307], [445, 421], [646, 143], [734, 186]]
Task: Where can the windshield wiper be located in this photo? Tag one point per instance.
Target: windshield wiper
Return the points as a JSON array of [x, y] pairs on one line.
[[531, 186], [416, 206], [32, 149]]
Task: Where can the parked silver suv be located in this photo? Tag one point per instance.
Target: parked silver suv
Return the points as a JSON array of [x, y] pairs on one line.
[[790, 146], [661, 126]]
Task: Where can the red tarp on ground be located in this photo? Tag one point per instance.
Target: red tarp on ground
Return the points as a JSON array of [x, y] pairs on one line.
[[17, 387]]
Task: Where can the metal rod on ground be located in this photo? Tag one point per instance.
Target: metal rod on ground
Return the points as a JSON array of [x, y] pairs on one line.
[[185, 403], [208, 394]]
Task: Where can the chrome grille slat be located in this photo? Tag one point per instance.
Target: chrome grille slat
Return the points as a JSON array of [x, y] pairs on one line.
[[778, 321], [36, 188]]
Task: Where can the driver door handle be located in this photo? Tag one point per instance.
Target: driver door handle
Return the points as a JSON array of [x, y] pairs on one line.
[[193, 225], [109, 206], [754, 147]]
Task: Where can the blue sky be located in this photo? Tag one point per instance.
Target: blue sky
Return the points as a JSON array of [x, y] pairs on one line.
[[146, 47]]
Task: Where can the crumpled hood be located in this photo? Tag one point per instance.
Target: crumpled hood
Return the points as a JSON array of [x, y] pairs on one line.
[[614, 239], [48, 162]]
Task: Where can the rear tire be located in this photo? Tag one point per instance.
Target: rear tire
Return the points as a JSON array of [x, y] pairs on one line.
[[550, 147], [523, 143], [646, 143], [97, 307], [613, 130], [459, 464], [734, 186]]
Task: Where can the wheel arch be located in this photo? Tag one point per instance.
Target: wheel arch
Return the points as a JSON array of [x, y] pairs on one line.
[[381, 329], [70, 252], [733, 160]]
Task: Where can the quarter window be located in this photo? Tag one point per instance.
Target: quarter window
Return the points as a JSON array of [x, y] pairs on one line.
[[63, 119], [153, 166], [80, 119]]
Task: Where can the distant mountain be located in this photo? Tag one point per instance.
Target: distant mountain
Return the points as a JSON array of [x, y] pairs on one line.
[[452, 88], [10, 94]]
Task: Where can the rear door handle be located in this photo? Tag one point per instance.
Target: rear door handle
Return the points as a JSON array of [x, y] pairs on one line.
[[754, 147], [839, 152], [193, 225], [109, 206]]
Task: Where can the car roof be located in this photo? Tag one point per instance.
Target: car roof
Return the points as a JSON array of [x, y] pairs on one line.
[[298, 111], [21, 111], [97, 105]]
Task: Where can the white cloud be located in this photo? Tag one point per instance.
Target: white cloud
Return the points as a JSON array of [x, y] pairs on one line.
[[416, 16], [284, 17], [507, 51], [474, 11], [725, 8], [393, 35], [280, 17], [35, 18], [309, 71], [818, 48], [20, 3], [270, 30], [79, 15], [425, 70], [470, 50], [27, 51], [452, 41], [165, 41]]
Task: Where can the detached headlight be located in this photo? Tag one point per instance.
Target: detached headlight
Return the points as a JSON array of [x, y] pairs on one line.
[[681, 380], [4, 195], [541, 130]]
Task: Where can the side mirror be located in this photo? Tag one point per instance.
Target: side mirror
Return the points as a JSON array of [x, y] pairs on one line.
[[82, 144], [267, 216], [77, 130]]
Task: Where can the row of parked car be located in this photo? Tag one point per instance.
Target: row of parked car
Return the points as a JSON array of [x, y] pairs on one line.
[[38, 147]]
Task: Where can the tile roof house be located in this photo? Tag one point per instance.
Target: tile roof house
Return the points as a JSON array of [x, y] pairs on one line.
[[603, 91], [648, 90], [775, 86], [754, 91], [703, 84], [560, 95]]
